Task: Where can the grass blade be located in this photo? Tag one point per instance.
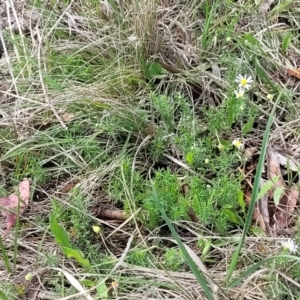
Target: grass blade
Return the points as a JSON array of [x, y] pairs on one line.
[[253, 268], [254, 193], [200, 278], [5, 258], [2, 296]]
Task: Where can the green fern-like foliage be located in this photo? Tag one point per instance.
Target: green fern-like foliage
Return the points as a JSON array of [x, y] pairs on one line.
[[170, 196]]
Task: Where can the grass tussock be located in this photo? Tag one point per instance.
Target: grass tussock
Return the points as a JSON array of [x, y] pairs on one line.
[[142, 144]]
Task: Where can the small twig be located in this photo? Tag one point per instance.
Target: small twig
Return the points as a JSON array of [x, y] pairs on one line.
[[111, 214], [123, 224], [123, 256]]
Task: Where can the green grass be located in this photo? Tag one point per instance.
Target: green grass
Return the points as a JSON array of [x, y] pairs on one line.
[[103, 104]]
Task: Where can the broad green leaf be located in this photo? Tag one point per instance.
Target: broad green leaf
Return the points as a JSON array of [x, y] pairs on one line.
[[232, 216], [248, 126], [257, 231], [2, 296], [286, 41], [102, 291], [277, 194], [241, 200], [266, 187], [189, 157], [53, 83], [252, 41], [87, 282], [250, 38], [155, 69], [74, 253], [263, 75], [206, 248], [60, 234], [230, 112]]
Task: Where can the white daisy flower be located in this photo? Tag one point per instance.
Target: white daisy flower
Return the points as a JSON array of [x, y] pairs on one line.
[[244, 81], [290, 245], [237, 143], [239, 94]]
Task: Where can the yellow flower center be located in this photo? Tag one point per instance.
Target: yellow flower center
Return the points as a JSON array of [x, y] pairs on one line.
[[243, 81], [238, 144], [96, 229]]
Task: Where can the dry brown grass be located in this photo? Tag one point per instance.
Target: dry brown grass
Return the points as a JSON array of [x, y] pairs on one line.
[[122, 43]]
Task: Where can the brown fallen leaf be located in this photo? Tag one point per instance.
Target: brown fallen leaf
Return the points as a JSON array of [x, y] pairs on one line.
[[274, 171], [66, 117], [257, 216], [9, 204], [264, 211], [285, 208], [249, 152], [294, 72], [288, 162]]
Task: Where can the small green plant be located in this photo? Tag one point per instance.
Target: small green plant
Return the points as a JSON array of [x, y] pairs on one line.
[[61, 237], [141, 257], [9, 291], [78, 67], [173, 260], [173, 201], [76, 217]]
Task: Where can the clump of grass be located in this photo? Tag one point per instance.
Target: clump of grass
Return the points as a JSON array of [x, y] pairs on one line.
[[149, 92]]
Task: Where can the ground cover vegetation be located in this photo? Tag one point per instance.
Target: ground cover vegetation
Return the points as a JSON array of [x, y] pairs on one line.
[[149, 149]]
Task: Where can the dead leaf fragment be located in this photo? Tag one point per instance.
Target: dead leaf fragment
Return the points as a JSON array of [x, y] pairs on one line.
[[265, 6], [257, 216], [249, 152], [293, 198], [294, 72], [285, 209], [66, 117], [274, 171], [9, 204], [264, 211], [287, 162]]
